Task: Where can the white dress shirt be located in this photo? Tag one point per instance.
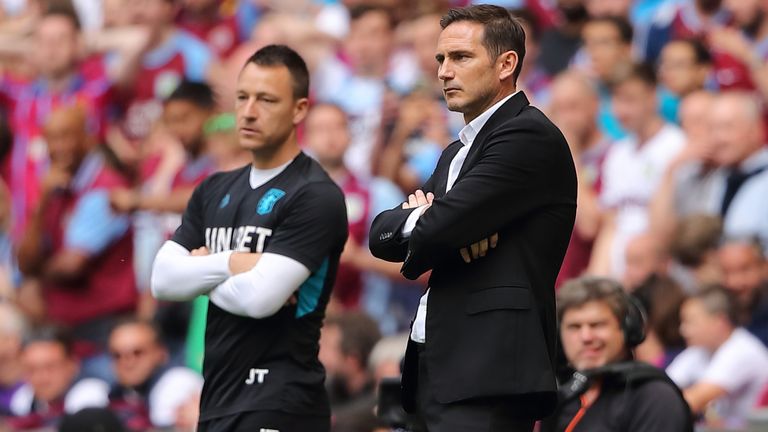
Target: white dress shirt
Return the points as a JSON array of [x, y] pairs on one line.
[[467, 137]]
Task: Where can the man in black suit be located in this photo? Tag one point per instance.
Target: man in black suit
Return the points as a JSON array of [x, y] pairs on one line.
[[492, 223]]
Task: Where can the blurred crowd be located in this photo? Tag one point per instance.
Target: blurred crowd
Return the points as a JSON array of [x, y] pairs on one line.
[[113, 110]]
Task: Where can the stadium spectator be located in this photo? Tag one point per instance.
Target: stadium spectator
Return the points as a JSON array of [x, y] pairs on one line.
[[185, 113], [738, 134], [599, 328], [661, 297], [56, 51], [694, 248], [633, 167], [574, 108], [373, 67], [148, 392], [724, 368], [205, 19], [52, 388], [420, 35], [685, 67], [745, 274], [608, 57], [360, 275], [615, 8], [386, 356], [173, 55], [689, 180], [345, 346], [221, 143], [645, 256], [80, 250], [420, 132], [561, 42], [745, 42], [12, 333], [533, 80], [709, 21]]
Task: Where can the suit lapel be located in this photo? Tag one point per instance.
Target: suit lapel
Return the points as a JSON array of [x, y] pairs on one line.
[[509, 109]]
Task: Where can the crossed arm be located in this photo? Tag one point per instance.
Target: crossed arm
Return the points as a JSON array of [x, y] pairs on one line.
[[245, 284], [421, 202], [501, 187]]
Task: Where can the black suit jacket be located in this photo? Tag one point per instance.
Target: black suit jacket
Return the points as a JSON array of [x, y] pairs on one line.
[[491, 325]]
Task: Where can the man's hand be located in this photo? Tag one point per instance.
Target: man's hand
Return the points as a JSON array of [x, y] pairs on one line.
[[479, 249], [418, 199], [125, 200]]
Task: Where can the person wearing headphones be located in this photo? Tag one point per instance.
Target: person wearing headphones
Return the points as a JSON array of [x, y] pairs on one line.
[[599, 325]]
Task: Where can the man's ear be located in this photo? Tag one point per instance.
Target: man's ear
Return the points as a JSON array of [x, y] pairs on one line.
[[300, 109], [507, 63]]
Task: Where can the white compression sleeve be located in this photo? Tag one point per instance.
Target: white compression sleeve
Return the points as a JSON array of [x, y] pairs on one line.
[[262, 291], [179, 276]]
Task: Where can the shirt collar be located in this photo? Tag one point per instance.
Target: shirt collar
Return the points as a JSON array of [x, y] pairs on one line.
[[755, 161], [258, 177], [469, 132]]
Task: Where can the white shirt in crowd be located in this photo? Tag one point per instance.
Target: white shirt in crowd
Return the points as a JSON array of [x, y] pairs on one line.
[[85, 393], [740, 366], [631, 175]]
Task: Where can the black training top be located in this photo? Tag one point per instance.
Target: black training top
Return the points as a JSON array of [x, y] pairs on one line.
[[271, 363]]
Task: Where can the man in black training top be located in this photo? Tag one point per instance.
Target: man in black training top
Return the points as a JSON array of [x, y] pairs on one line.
[[263, 242]]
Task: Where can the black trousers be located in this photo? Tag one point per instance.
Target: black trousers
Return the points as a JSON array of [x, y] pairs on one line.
[[265, 421], [481, 415]]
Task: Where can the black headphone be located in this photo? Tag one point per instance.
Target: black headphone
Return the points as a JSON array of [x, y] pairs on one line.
[[634, 320]]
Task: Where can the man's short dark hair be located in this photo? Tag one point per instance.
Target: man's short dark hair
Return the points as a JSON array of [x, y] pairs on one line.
[[64, 10], [281, 55], [621, 24], [55, 335], [580, 291], [662, 297], [751, 241], [154, 328], [701, 55], [359, 334], [197, 93], [502, 31]]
